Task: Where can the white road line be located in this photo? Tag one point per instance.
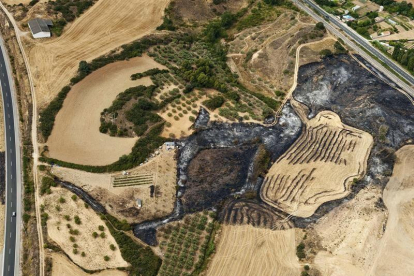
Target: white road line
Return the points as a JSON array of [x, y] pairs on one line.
[[10, 232], [9, 251], [11, 190], [8, 268], [11, 177], [9, 126], [11, 202], [11, 164]]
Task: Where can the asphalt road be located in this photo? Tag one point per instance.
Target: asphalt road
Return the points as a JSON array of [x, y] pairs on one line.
[[361, 41], [13, 183]]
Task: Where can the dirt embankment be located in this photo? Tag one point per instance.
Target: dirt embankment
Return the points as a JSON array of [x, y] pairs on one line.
[[106, 26], [75, 137], [246, 250]]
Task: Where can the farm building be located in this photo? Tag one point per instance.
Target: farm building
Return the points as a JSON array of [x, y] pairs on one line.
[[40, 27], [139, 203]]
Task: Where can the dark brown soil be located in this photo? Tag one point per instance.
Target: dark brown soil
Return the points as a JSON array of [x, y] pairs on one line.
[[214, 174]]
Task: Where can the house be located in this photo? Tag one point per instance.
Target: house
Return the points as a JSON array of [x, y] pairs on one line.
[[379, 19], [40, 27], [392, 22], [381, 8], [169, 145]]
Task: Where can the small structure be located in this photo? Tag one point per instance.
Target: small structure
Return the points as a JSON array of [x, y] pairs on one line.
[[379, 19], [392, 22], [381, 8], [139, 203], [354, 9], [169, 145], [40, 27], [347, 18]]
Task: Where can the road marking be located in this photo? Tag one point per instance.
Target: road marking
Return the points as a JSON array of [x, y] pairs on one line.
[[9, 126], [8, 105], [11, 190], [9, 251], [11, 164], [8, 268], [11, 202]]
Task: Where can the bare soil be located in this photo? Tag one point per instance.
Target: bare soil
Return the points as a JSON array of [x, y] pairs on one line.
[[75, 137], [246, 250], [62, 266], [94, 248], [106, 26]]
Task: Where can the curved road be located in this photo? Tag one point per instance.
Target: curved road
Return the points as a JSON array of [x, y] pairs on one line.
[[13, 171]]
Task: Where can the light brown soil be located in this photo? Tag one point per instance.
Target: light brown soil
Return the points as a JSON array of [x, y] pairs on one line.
[[95, 249], [121, 201], [310, 53], [75, 137], [350, 235], [106, 26], [402, 35], [246, 250], [395, 255], [62, 266], [319, 167], [25, 2]]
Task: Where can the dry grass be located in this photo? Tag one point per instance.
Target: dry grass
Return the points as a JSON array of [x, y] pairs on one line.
[[25, 2], [75, 137], [395, 255], [320, 166], [106, 26], [62, 266], [94, 248], [246, 250], [310, 53], [121, 201]]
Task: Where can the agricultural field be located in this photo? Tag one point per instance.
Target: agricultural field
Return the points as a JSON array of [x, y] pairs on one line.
[[321, 166], [54, 62], [184, 245], [76, 136], [80, 232], [121, 201], [247, 250]]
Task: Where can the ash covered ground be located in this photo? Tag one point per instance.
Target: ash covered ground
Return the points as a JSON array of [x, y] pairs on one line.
[[364, 101]]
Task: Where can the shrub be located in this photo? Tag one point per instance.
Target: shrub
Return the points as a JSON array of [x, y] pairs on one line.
[[75, 251], [214, 102], [95, 235], [47, 182], [62, 200], [83, 254], [74, 197], [101, 228], [77, 220], [72, 239], [112, 247], [106, 258], [102, 235]]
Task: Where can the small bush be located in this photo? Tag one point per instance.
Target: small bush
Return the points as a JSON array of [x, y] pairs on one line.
[[112, 247], [102, 235], [77, 220], [101, 228], [106, 258], [74, 197], [95, 235]]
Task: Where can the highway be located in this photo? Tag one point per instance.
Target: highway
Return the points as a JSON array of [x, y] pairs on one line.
[[13, 170], [352, 38], [363, 42]]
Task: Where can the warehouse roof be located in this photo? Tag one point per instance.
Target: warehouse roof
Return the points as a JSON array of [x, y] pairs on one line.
[[38, 25]]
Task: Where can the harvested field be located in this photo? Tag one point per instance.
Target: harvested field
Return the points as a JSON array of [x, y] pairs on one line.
[[62, 266], [364, 100], [75, 137], [319, 167], [121, 201], [62, 227], [106, 26], [246, 250], [240, 212]]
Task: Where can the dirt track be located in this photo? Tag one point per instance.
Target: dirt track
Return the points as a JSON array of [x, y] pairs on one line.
[[105, 26], [246, 250], [319, 167], [75, 136]]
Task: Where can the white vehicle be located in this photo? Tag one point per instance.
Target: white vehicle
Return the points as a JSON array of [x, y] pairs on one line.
[[13, 214]]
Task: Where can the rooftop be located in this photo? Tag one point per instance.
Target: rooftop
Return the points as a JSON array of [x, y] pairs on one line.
[[38, 25]]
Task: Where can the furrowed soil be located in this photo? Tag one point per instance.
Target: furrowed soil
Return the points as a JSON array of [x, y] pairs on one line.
[[62, 266], [121, 201], [319, 167], [106, 26], [94, 248], [246, 250], [75, 137]]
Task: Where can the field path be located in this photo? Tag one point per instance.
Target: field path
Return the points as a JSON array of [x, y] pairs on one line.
[[106, 26]]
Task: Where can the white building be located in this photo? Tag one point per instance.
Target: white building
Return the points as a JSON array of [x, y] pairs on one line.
[[354, 9], [40, 27], [169, 145], [381, 8]]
